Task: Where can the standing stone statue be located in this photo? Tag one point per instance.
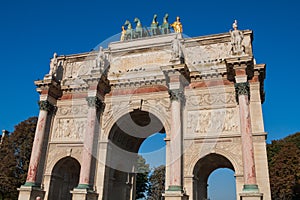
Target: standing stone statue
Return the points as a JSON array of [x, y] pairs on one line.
[[100, 59], [177, 26], [237, 37], [53, 64], [176, 54]]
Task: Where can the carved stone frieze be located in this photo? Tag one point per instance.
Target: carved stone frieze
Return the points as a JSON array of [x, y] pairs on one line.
[[72, 110], [210, 99], [213, 121], [69, 129], [207, 54], [75, 69]]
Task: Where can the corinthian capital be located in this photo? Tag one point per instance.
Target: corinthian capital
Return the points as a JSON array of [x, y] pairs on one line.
[[242, 89], [176, 95], [46, 105], [94, 102]]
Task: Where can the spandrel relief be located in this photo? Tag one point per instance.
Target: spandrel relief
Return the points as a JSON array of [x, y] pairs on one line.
[[213, 121]]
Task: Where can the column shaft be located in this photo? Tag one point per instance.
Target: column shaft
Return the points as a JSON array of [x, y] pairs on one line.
[[37, 147], [175, 144], [88, 148], [247, 142]]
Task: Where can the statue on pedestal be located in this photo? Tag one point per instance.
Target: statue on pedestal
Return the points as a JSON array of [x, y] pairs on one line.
[[176, 54], [177, 26], [53, 64], [237, 37], [101, 59]]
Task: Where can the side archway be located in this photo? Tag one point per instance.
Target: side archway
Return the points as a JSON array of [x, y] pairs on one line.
[[64, 178], [202, 170]]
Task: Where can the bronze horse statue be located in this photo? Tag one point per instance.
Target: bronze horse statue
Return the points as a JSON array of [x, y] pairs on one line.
[[129, 31], [165, 27], [154, 26], [139, 30]]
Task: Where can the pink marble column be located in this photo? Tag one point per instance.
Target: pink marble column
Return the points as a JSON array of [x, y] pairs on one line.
[[85, 170], [36, 152], [242, 90], [175, 153]]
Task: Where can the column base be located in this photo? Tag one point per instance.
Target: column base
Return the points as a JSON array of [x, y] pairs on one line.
[[84, 186], [84, 194], [250, 188], [175, 192], [30, 192], [251, 196]]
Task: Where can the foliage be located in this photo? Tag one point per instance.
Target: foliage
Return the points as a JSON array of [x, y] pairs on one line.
[[141, 177], [284, 167], [15, 154], [157, 183]]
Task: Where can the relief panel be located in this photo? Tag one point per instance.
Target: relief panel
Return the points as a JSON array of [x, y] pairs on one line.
[[69, 129], [224, 120]]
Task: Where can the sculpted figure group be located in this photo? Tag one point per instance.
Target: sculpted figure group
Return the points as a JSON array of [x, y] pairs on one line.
[[129, 33]]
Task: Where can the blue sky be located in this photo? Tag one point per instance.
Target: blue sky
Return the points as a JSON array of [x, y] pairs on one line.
[[32, 30]]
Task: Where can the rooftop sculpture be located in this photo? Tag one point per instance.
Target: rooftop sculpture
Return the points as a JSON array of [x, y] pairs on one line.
[[128, 33], [237, 37]]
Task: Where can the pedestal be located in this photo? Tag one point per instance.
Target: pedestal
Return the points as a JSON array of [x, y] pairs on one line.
[[251, 196], [175, 195], [84, 194], [30, 193]]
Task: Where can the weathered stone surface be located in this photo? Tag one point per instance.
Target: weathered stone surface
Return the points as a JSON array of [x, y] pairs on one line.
[[149, 85]]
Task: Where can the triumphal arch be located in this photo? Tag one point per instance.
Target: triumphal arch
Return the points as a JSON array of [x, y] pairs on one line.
[[97, 108]]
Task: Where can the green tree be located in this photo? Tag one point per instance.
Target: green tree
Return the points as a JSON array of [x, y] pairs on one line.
[[7, 169], [157, 183], [141, 177], [284, 167], [15, 154]]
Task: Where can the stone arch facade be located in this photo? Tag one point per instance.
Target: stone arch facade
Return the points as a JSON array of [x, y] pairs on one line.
[[162, 114], [64, 178], [206, 91], [238, 169]]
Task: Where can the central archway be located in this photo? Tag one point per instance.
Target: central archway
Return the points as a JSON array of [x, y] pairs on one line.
[[64, 178], [125, 139], [202, 170]]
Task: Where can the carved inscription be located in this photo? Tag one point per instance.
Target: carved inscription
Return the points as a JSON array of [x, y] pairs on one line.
[[213, 121]]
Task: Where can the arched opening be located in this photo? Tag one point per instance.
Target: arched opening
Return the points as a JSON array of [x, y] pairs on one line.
[[203, 169], [221, 184], [125, 139], [64, 178]]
